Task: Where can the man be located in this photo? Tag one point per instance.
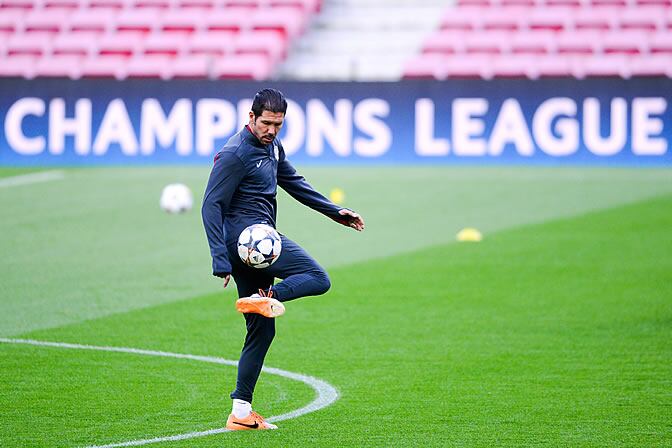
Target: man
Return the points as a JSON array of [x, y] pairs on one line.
[[241, 191]]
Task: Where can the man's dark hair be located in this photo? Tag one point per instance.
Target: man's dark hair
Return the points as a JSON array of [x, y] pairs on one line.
[[271, 100]]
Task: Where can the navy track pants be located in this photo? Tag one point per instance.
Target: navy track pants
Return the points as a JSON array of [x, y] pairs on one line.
[[301, 276]]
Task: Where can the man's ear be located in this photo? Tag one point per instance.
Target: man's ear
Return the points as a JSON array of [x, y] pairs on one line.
[[251, 117]]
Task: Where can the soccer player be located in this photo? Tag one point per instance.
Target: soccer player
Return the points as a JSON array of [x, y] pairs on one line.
[[241, 191]]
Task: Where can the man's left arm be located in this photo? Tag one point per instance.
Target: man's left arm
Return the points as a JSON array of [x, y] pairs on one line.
[[298, 188]]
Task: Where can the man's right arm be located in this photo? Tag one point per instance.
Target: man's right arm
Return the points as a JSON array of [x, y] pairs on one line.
[[226, 174]]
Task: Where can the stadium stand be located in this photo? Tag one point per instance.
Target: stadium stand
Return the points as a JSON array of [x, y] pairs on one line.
[[149, 38], [335, 39], [548, 38], [362, 39]]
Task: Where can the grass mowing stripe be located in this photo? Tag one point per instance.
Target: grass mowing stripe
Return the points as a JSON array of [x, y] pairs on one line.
[[102, 230], [556, 334]]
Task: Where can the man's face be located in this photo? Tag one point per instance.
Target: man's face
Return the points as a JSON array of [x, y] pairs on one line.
[[266, 126]]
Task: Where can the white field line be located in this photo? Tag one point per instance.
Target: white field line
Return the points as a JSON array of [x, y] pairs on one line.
[[32, 178], [326, 393]]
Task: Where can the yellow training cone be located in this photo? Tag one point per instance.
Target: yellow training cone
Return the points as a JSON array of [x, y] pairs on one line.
[[469, 234], [337, 196]]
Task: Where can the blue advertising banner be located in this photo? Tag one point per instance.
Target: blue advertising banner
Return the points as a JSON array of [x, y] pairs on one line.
[[550, 122]]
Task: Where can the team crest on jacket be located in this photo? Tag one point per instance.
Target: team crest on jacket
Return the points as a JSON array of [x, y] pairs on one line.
[[276, 152]]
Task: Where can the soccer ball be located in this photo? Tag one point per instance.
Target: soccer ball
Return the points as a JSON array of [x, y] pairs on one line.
[[259, 245], [176, 198]]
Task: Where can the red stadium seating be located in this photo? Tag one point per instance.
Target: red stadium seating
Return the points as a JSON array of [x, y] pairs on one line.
[[60, 66], [548, 38], [19, 66], [214, 44], [251, 66], [148, 38]]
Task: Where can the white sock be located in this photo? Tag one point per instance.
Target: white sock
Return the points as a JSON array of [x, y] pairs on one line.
[[241, 408]]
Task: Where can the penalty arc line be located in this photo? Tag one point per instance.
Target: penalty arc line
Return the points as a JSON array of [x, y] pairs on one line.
[[326, 393]]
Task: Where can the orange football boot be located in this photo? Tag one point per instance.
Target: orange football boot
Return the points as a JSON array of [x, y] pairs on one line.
[[252, 421], [261, 303]]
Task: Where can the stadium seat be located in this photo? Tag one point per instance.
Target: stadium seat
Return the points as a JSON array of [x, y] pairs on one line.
[[154, 66], [215, 43], [159, 5], [92, 20], [45, 20], [24, 5], [19, 65], [652, 65], [663, 3], [625, 42], [555, 19], [602, 19], [518, 3], [539, 42], [204, 6], [285, 20], [603, 66], [644, 19], [514, 67], [81, 45], [553, 66], [609, 3], [233, 19], [65, 5], [445, 42], [33, 44], [565, 3], [104, 67], [488, 43], [194, 66], [182, 21], [270, 43], [661, 42], [138, 20], [463, 66], [426, 66], [242, 4], [126, 44], [249, 66], [503, 19], [163, 44], [576, 42], [307, 6], [115, 5], [60, 67], [11, 21], [475, 3]]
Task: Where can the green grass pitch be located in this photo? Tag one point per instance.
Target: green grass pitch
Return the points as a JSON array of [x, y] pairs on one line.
[[555, 330]]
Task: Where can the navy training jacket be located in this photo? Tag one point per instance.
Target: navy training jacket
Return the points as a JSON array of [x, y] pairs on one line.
[[241, 191]]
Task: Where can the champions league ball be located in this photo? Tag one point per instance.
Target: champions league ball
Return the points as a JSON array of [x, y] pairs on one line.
[[259, 245], [176, 198]]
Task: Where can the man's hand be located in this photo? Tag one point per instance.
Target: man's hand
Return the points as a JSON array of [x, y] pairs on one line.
[[352, 219], [226, 280]]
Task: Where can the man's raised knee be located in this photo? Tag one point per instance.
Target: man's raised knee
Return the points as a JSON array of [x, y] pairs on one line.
[[323, 282]]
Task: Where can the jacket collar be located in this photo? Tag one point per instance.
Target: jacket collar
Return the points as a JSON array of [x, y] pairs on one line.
[[252, 139]]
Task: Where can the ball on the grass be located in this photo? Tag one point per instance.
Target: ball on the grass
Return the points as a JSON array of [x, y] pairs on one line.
[[259, 245], [176, 198]]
